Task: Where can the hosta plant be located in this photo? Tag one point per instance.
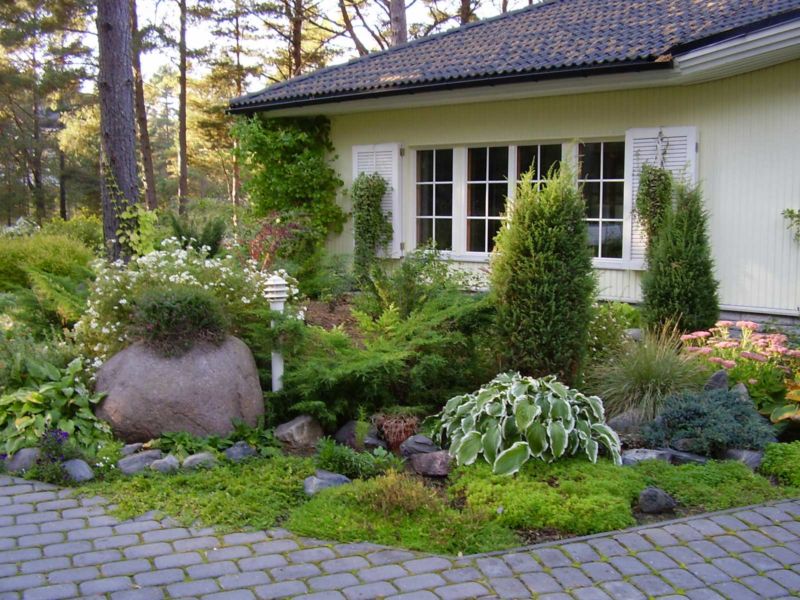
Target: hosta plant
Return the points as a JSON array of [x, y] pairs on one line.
[[513, 419]]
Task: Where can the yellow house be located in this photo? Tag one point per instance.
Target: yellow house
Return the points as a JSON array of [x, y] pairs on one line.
[[711, 90]]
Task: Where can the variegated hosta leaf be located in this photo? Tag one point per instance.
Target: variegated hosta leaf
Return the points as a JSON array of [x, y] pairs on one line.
[[591, 450], [558, 438], [510, 461], [525, 411], [468, 423], [494, 409], [469, 448], [560, 408], [491, 441], [536, 435]]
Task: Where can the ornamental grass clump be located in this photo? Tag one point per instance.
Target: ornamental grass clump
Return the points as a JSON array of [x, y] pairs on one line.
[[542, 278], [763, 362], [513, 419], [639, 376]]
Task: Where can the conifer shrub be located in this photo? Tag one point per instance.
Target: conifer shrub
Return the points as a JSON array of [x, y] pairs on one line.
[[679, 285], [542, 279]]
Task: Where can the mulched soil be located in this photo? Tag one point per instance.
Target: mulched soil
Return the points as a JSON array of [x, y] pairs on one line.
[[329, 315]]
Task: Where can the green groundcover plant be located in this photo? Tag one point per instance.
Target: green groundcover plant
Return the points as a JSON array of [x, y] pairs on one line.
[[782, 461], [353, 464], [513, 419]]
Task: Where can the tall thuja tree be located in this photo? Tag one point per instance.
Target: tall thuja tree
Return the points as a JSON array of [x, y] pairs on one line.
[[119, 183], [679, 284], [542, 278]]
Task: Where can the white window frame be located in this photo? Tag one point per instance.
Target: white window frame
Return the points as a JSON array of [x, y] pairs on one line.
[[452, 183]]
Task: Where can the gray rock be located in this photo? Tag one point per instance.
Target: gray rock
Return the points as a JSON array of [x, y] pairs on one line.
[[681, 458], [636, 455], [418, 444], [718, 381], [78, 470], [683, 444], [129, 449], [634, 334], [200, 460], [629, 422], [752, 458], [346, 435], [22, 460], [432, 464], [202, 392], [740, 390], [240, 451], [301, 434], [654, 501], [138, 462], [168, 464], [322, 480]]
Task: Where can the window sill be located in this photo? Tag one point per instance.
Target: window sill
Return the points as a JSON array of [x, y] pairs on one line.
[[608, 264]]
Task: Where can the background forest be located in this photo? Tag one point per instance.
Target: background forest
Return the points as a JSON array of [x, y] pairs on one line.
[[189, 58]]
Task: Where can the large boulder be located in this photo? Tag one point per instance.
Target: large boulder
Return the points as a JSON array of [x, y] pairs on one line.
[[300, 435], [418, 444], [202, 392], [431, 464], [654, 501]]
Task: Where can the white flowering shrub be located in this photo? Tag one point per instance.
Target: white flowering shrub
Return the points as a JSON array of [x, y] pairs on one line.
[[106, 326]]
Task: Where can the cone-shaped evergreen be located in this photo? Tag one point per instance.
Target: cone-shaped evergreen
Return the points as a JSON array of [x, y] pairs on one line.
[[542, 278], [679, 285]]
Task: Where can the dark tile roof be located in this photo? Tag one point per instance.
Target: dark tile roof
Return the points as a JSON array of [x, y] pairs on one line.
[[555, 37]]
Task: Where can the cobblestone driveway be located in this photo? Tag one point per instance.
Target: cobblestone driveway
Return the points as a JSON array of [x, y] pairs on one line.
[[54, 546]]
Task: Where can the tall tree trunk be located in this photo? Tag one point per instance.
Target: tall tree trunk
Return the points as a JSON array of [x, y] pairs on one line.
[[236, 178], [183, 168], [141, 115], [36, 157], [465, 12], [351, 32], [62, 186], [297, 37], [119, 183], [397, 20]]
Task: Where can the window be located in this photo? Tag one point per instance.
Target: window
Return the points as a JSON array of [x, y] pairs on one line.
[[602, 174], [487, 189], [541, 158], [435, 198]]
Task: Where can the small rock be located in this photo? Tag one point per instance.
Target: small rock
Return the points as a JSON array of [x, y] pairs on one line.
[[200, 460], [418, 444], [323, 480], [682, 458], [301, 434], [740, 390], [373, 441], [22, 460], [683, 444], [168, 464], [752, 458], [138, 462], [718, 381], [432, 464], [654, 501], [637, 455], [346, 435], [78, 470], [634, 334], [239, 451], [626, 423], [129, 449]]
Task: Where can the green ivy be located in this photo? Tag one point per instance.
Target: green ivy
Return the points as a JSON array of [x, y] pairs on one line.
[[290, 171], [372, 228]]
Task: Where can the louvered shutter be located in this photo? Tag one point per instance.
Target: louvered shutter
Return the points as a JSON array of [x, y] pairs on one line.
[[384, 159], [672, 147]]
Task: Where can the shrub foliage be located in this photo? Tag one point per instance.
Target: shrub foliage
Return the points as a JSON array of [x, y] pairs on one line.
[[542, 279], [371, 227], [353, 464]]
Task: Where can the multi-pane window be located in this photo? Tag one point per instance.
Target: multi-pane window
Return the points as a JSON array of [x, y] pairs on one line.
[[539, 157], [435, 198], [487, 189], [603, 178]]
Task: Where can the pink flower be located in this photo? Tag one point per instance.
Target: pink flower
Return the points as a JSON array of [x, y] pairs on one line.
[[747, 325], [687, 337], [754, 356], [724, 324], [694, 349], [701, 334], [728, 364], [727, 344], [716, 359], [705, 350], [793, 353]]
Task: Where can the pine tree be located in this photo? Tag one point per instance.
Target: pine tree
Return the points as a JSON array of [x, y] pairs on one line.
[[679, 285], [542, 279]]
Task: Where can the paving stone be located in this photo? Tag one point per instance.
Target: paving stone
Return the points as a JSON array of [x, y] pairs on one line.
[[659, 537], [198, 543], [67, 548], [683, 555], [165, 535], [193, 588], [708, 573], [125, 567], [759, 561], [764, 587], [329, 595], [348, 563], [73, 575], [731, 543], [384, 573], [104, 586], [273, 547], [552, 557], [681, 578], [779, 534], [419, 582], [522, 563], [628, 565], [541, 583], [633, 541], [116, 541], [707, 549], [234, 539], [311, 555], [729, 523], [683, 532], [704, 594], [40, 539], [600, 572], [369, 591], [580, 552], [160, 577], [508, 587], [259, 563], [608, 547], [20, 555], [284, 589], [385, 557], [336, 581], [782, 555], [788, 579], [89, 533], [21, 582], [51, 592], [622, 590], [751, 517], [231, 552], [756, 538], [735, 591], [148, 550], [150, 593], [294, 572], [215, 569], [19, 530], [43, 565], [426, 565], [657, 560], [243, 580], [355, 548], [181, 559], [459, 591], [590, 594], [706, 527], [96, 558], [52, 515], [733, 567], [651, 585], [421, 595], [570, 577]]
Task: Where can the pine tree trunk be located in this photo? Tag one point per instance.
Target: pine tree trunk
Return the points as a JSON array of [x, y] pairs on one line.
[[297, 37], [119, 182], [141, 115], [36, 162], [62, 186], [397, 17], [183, 169]]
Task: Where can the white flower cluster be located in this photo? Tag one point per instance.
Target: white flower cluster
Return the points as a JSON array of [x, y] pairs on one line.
[[103, 328]]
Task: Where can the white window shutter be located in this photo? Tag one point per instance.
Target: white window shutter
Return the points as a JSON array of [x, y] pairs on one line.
[[384, 159], [674, 148]]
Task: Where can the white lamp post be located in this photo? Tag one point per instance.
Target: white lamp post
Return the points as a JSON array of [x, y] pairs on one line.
[[277, 292]]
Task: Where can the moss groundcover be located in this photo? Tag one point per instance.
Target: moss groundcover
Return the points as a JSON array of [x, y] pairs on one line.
[[474, 512]]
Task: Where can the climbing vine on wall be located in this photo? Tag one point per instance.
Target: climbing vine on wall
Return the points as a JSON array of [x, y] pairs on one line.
[[372, 228]]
